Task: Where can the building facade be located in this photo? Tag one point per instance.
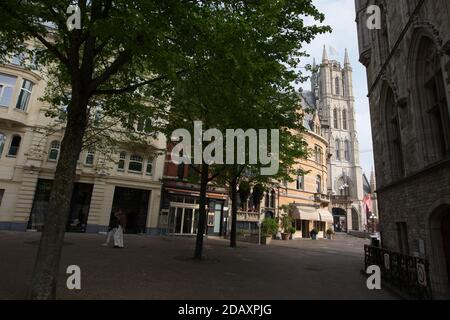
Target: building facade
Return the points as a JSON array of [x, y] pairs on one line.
[[408, 71], [332, 96], [29, 152], [308, 194]]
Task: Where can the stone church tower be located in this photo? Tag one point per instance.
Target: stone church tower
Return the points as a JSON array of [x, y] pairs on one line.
[[333, 89]]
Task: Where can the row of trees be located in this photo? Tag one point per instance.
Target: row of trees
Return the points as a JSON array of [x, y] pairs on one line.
[[229, 64]]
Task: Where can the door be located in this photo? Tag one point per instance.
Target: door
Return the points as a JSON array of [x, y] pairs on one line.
[[188, 221], [446, 240], [305, 229]]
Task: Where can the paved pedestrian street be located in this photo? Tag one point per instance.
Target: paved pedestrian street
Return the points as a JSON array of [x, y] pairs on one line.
[[162, 268]]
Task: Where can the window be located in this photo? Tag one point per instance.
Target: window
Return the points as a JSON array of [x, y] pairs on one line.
[[25, 94], [18, 59], [135, 163], [338, 85], [300, 182], [338, 149], [402, 237], [319, 184], [2, 143], [318, 154], [149, 169], [2, 193], [7, 84], [122, 158], [344, 120], [347, 150], [335, 118], [15, 145], [53, 154], [89, 161], [272, 199]]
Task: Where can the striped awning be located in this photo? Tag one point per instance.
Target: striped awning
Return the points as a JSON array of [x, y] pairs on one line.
[[326, 216], [303, 212]]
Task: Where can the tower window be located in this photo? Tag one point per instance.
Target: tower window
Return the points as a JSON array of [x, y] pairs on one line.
[[335, 119], [338, 85], [344, 120], [338, 149], [347, 150]]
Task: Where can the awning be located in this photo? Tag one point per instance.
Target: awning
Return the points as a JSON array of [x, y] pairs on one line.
[[326, 216], [303, 212]]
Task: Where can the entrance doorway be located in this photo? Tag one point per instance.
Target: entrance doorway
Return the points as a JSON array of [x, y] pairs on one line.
[[305, 229], [183, 220], [339, 220], [79, 206], [446, 241], [134, 203]]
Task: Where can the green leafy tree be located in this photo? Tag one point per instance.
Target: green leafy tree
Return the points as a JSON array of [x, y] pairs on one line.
[[124, 53]]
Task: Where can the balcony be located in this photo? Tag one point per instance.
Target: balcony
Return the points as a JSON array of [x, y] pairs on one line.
[[322, 198], [247, 216], [341, 199]]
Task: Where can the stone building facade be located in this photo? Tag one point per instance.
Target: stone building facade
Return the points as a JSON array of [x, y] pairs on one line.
[[309, 193], [29, 153], [408, 71], [332, 96]]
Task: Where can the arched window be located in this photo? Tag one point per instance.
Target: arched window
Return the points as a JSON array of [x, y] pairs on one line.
[[2, 143], [347, 150], [53, 153], [335, 119], [432, 101], [344, 120], [14, 147], [337, 85], [122, 159], [267, 200], [135, 163], [338, 149], [319, 184], [391, 126], [89, 161]]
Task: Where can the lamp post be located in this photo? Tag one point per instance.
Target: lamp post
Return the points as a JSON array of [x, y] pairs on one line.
[[372, 216]]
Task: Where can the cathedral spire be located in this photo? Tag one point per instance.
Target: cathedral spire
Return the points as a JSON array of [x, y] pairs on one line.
[[373, 185], [325, 55], [346, 59]]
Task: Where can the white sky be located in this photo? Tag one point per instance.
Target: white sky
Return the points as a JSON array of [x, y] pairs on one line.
[[340, 15]]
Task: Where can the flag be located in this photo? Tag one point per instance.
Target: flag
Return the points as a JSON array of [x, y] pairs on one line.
[[367, 203]]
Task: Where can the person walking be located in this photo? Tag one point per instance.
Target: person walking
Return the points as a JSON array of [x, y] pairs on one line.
[[113, 226], [122, 223]]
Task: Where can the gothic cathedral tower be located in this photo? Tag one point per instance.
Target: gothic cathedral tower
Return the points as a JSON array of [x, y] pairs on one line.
[[332, 85]]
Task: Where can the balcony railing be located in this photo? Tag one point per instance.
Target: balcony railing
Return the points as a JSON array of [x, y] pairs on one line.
[[408, 274], [323, 198]]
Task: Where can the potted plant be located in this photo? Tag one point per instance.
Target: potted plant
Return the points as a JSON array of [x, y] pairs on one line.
[[292, 231], [269, 227], [286, 224], [314, 234], [330, 233]]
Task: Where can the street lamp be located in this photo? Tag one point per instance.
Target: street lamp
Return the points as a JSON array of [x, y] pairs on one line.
[[373, 216]]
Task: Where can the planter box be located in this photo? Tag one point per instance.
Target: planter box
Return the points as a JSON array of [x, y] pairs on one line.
[[266, 240]]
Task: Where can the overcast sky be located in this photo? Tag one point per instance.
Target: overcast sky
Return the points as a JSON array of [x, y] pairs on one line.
[[340, 15]]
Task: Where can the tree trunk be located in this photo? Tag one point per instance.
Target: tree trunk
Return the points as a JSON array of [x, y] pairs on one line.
[[233, 186], [43, 286], [202, 212]]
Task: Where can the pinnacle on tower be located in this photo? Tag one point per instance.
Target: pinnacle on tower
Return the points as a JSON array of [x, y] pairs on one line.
[[372, 181], [325, 54], [346, 59]]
